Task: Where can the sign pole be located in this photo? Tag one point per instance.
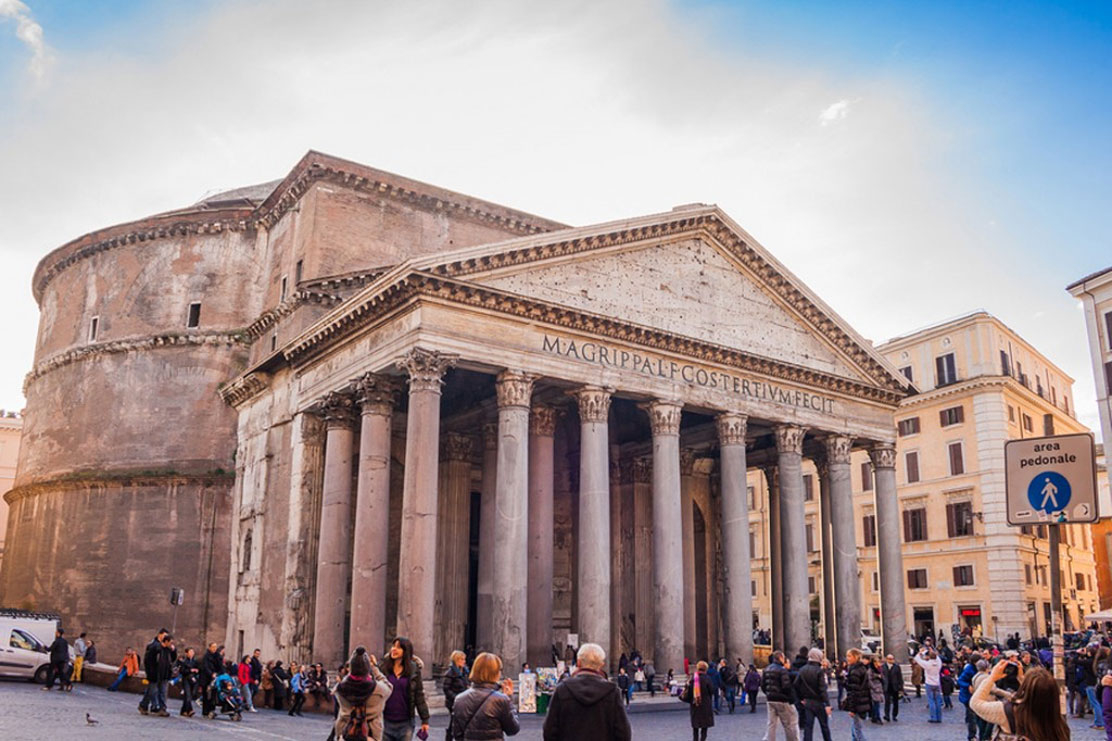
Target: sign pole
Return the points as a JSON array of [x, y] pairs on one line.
[[1055, 626]]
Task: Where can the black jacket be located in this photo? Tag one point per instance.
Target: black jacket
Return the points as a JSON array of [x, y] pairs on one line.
[[455, 683], [484, 714], [256, 670], [59, 651], [893, 679], [164, 664], [211, 665], [810, 683], [150, 660], [777, 684], [702, 712], [185, 670], [586, 707], [858, 697], [729, 676]]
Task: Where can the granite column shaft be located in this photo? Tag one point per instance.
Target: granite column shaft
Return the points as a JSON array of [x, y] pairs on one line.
[[542, 431], [889, 552], [668, 535], [843, 541], [735, 538], [594, 516]]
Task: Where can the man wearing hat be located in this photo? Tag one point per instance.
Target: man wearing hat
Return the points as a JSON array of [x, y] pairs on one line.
[[810, 687]]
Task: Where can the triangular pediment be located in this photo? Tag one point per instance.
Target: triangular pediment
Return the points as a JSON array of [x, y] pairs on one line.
[[691, 273]]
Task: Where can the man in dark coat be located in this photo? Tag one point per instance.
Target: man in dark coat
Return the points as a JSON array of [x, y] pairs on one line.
[[810, 687], [212, 664], [859, 701], [777, 685], [893, 677], [587, 706], [149, 703], [698, 695], [59, 663], [729, 682]]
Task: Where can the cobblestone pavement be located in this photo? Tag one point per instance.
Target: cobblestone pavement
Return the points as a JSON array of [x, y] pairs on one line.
[[28, 713]]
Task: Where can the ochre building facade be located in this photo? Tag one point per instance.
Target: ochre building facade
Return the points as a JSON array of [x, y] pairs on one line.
[[413, 412]]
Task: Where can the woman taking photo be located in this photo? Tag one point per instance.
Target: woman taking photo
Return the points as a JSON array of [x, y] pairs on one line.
[[360, 697], [407, 698], [486, 711], [1032, 712]]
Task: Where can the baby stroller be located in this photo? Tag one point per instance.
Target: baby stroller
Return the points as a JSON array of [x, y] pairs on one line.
[[228, 700]]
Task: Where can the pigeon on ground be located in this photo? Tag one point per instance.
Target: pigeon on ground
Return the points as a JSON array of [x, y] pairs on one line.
[[90, 720]]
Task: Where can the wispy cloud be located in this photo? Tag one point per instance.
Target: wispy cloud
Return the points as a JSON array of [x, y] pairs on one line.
[[834, 112], [30, 33]]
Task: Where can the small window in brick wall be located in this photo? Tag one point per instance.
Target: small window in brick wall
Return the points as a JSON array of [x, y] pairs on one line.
[[193, 319]]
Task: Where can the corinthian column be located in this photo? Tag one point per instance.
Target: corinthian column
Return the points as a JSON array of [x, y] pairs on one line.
[[735, 538], [889, 553], [775, 562], [416, 563], [829, 634], [644, 595], [843, 541], [488, 533], [668, 535], [542, 432], [687, 516], [511, 504], [793, 537], [594, 516], [453, 540], [334, 551], [375, 396]]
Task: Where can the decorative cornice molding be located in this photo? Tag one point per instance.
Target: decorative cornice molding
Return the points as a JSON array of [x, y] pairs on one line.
[[883, 455], [123, 478], [455, 447], [376, 393], [420, 285], [789, 439], [245, 388], [426, 368], [514, 388], [542, 420], [594, 403], [150, 342], [664, 416], [732, 428], [838, 449]]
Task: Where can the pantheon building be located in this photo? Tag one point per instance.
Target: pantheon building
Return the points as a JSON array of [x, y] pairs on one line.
[[347, 405]]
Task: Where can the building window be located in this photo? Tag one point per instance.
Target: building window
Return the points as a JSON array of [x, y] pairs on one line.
[[1011, 414], [868, 523], [193, 318], [866, 476], [752, 497], [906, 370], [1021, 375], [810, 538], [909, 426], [245, 564], [917, 579], [808, 487], [957, 461], [1027, 573], [811, 587], [1048, 425], [1080, 580], [1042, 572], [959, 519], [94, 328], [1025, 529], [963, 576], [284, 289], [1028, 423], [1038, 386], [753, 588], [915, 524], [1054, 396], [911, 465], [945, 369], [1005, 363], [1040, 531], [273, 342], [752, 544], [876, 581], [951, 416], [298, 271]]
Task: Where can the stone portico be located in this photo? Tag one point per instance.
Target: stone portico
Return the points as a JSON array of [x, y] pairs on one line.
[[503, 445]]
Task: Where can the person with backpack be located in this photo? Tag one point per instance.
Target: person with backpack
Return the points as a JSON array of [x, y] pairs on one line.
[[360, 699], [403, 671], [485, 710], [752, 685], [777, 685], [1033, 712], [730, 683]]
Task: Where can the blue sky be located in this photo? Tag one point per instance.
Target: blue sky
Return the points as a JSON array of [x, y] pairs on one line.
[[910, 161]]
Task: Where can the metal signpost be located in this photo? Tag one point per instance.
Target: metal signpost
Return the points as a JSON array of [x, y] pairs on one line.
[[1052, 481], [177, 598]]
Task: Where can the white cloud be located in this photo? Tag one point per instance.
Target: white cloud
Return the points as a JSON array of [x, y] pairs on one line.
[[580, 111], [834, 112], [30, 33]]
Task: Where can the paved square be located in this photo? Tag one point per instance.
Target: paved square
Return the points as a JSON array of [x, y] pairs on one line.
[[30, 714]]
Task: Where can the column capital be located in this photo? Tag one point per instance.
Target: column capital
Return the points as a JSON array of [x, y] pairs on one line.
[[789, 438], [838, 448], [338, 409], [883, 455], [643, 469], [664, 416], [455, 447], [514, 388], [732, 428], [594, 403], [542, 420], [821, 465], [375, 393], [490, 435], [771, 474], [687, 461], [426, 368]]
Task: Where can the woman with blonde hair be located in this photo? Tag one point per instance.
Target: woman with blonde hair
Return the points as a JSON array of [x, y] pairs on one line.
[[699, 694], [455, 679], [1032, 713], [486, 710]]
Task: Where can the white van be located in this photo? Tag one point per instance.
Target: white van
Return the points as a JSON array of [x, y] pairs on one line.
[[25, 639]]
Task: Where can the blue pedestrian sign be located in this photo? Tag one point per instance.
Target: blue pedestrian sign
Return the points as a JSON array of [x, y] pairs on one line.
[[1051, 479]]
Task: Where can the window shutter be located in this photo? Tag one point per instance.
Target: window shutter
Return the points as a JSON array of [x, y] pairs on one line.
[[940, 370], [907, 525], [959, 415], [951, 521], [911, 460]]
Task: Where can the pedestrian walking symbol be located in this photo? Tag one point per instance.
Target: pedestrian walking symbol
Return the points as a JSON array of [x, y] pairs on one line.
[[1049, 492]]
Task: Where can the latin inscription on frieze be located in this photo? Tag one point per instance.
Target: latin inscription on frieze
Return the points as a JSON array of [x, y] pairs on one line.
[[739, 386]]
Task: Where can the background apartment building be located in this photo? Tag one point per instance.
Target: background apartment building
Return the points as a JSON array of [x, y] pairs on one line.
[[11, 429], [981, 385]]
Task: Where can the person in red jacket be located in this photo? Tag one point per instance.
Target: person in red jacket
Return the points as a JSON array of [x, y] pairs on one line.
[[243, 670]]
